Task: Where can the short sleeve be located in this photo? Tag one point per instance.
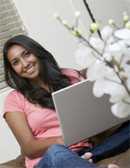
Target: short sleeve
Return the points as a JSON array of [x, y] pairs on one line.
[[14, 102]]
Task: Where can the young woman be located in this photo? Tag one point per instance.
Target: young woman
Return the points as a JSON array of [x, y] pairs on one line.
[[29, 111]]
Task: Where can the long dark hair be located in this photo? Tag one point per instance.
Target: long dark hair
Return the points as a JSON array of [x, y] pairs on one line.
[[50, 73]]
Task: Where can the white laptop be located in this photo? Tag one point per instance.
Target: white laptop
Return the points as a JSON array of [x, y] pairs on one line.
[[81, 114]]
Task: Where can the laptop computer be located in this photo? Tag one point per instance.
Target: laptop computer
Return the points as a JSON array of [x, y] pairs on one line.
[[81, 114]]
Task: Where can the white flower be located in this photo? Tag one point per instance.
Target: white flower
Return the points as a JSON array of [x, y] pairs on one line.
[[97, 43], [77, 14], [122, 34], [84, 56], [115, 90], [110, 40], [111, 22], [107, 60], [107, 56], [127, 42], [116, 50], [121, 109], [96, 71], [106, 32], [98, 88]]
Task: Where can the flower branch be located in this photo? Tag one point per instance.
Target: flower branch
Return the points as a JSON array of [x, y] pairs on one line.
[[107, 60]]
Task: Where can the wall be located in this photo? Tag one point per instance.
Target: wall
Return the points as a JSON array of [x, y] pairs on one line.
[[104, 9], [39, 19]]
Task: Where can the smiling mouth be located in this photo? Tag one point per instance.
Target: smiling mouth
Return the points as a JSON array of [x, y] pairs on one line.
[[30, 69]]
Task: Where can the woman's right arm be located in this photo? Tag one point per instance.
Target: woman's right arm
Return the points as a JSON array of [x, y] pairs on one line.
[[31, 146]]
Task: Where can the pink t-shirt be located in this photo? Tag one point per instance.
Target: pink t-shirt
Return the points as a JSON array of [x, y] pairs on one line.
[[42, 121]]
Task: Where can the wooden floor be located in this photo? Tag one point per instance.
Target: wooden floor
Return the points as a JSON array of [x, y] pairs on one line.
[[123, 160]]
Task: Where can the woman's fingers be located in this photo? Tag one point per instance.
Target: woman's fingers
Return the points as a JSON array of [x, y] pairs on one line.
[[90, 160], [87, 155]]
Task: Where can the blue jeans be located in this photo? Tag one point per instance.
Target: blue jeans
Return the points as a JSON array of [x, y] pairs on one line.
[[117, 143], [59, 156]]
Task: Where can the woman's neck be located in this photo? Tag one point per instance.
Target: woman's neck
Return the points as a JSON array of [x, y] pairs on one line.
[[40, 83]]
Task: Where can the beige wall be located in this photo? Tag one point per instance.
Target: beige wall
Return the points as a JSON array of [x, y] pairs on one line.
[[38, 18], [105, 9]]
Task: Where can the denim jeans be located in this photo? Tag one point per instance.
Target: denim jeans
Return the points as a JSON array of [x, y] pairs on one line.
[[117, 143], [59, 156]]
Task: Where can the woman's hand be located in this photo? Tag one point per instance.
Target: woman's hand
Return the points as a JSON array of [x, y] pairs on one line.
[[87, 156]]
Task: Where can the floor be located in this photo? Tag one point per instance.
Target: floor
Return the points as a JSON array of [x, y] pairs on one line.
[[123, 160]]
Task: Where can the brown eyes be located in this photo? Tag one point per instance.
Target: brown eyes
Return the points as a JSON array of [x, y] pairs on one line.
[[25, 54], [15, 63]]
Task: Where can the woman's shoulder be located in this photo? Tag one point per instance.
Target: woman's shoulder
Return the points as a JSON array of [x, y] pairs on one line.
[[14, 101], [14, 97], [72, 73], [13, 94]]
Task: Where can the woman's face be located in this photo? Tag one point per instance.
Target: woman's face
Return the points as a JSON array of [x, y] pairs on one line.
[[24, 63]]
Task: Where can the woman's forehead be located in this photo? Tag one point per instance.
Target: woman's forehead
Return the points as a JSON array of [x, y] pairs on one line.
[[15, 51]]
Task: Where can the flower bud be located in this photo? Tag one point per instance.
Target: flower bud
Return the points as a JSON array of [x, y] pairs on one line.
[[116, 68], [127, 25], [56, 16], [94, 27], [77, 14], [76, 33], [111, 22], [125, 17], [64, 22], [123, 75]]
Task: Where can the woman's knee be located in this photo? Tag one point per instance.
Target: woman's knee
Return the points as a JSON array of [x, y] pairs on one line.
[[59, 152], [56, 148], [55, 151]]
